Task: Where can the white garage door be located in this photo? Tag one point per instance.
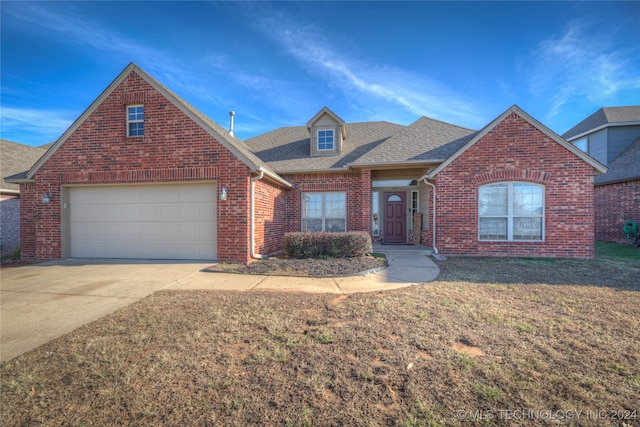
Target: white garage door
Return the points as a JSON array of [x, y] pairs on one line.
[[174, 221]]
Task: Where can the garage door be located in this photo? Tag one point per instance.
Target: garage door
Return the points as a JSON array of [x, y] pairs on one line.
[[174, 221]]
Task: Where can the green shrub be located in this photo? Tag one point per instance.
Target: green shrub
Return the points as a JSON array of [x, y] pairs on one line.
[[323, 244]]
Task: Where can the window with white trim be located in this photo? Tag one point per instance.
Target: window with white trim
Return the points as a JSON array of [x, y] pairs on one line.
[[511, 211], [324, 211], [325, 140], [135, 120]]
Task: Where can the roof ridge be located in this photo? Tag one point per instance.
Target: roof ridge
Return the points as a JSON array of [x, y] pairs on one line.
[[443, 122]]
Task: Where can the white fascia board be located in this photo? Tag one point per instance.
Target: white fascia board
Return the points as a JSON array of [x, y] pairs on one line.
[[599, 128]]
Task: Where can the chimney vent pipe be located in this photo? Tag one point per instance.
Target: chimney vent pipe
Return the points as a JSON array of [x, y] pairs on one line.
[[231, 114]]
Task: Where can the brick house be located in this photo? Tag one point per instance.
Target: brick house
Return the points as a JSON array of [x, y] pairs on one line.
[[14, 158], [142, 174], [612, 136]]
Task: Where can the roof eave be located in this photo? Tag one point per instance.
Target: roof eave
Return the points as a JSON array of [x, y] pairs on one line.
[[599, 128], [19, 181], [275, 177], [391, 165], [616, 181], [351, 166]]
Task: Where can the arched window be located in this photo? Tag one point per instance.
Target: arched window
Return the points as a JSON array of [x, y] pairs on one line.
[[512, 211], [394, 198]]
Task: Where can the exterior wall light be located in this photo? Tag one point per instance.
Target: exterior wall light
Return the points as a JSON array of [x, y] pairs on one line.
[[223, 193], [46, 197]]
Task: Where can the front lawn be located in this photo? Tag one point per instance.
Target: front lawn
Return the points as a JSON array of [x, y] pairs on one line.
[[492, 342]]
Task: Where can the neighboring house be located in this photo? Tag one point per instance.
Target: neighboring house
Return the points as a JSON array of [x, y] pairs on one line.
[[14, 158], [142, 174], [611, 135]]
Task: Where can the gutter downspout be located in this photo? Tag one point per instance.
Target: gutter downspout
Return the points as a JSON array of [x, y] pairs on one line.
[[253, 216], [435, 249]]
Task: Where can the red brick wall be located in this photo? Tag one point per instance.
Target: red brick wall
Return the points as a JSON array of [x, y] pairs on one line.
[[616, 204], [516, 151], [28, 215], [357, 185], [174, 148], [270, 212]]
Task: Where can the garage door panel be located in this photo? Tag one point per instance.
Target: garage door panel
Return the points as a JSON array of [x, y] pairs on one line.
[[144, 221]]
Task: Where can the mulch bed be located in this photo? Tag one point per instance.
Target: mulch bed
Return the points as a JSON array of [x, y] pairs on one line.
[[310, 267]]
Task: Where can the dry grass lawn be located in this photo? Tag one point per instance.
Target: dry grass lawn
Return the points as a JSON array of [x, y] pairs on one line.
[[491, 342]]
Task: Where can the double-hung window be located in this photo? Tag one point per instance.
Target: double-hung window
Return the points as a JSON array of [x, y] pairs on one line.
[[325, 139], [324, 211], [135, 120], [512, 211]]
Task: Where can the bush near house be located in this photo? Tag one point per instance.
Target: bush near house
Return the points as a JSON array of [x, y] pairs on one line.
[[321, 244]]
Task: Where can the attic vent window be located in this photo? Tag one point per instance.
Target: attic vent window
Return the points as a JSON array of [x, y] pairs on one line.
[[325, 140], [135, 120]]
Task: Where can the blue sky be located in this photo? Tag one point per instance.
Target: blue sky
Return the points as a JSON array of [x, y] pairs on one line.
[[276, 64]]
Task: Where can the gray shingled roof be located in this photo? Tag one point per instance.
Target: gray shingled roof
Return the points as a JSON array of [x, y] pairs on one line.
[[625, 167], [425, 139], [15, 159], [604, 116], [288, 149]]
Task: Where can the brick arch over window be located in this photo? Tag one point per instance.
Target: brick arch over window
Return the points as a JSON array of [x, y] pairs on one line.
[[538, 177]]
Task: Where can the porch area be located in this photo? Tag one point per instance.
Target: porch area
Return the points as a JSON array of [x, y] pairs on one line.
[[407, 249]]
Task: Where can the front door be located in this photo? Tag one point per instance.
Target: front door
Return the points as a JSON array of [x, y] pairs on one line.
[[395, 217]]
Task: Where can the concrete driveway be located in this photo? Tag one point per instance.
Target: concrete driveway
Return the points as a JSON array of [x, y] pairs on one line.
[[43, 301]]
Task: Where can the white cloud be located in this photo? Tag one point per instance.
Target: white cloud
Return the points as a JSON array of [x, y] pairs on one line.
[[367, 82], [46, 125], [580, 64], [61, 20], [65, 23]]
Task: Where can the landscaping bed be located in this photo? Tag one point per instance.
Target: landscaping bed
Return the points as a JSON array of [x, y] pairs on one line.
[[308, 267]]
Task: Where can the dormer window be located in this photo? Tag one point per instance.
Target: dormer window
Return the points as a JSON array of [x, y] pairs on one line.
[[325, 140], [135, 120], [327, 134]]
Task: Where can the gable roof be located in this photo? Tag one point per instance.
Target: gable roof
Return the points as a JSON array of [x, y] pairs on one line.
[[236, 146], [625, 167], [533, 122], [325, 110], [425, 140], [606, 116], [16, 158]]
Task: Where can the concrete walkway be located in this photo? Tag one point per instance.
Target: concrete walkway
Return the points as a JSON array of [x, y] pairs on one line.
[[408, 265], [40, 302]]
